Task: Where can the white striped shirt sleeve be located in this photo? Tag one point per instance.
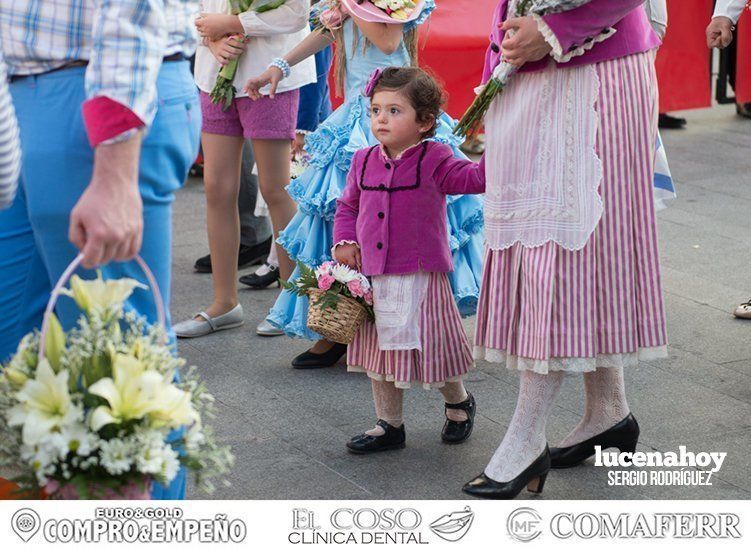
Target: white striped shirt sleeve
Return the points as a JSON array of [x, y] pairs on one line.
[[10, 147]]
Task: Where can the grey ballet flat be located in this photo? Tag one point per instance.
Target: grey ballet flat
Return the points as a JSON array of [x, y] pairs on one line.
[[198, 328]]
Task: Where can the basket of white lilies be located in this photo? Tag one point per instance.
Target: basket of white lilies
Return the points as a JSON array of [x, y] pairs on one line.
[[85, 414]]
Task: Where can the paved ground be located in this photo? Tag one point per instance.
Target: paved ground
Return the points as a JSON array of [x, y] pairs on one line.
[[288, 428]]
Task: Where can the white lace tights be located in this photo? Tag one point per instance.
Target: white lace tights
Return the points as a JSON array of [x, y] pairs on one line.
[[605, 397], [388, 401], [525, 437]]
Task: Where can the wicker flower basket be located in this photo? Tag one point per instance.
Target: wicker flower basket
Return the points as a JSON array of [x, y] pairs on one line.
[[338, 325]]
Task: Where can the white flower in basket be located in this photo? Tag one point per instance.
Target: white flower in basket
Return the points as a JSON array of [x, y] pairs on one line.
[[85, 414]]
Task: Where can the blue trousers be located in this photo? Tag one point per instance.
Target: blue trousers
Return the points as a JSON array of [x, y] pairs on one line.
[[57, 167]]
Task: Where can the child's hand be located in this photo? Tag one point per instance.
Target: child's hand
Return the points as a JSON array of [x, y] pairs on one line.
[[272, 75], [719, 33], [228, 48], [349, 254], [218, 25], [298, 145]]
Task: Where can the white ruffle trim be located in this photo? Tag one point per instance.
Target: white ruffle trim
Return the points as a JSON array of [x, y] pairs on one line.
[[552, 39], [570, 364], [342, 243], [404, 384]]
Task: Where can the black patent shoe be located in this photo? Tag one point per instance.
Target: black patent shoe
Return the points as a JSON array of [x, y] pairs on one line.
[[392, 439], [259, 282], [623, 435], [667, 122], [311, 361], [456, 432], [533, 477], [247, 256]]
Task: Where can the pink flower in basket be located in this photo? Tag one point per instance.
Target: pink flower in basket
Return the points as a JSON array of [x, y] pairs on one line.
[[325, 281], [356, 287], [368, 297]]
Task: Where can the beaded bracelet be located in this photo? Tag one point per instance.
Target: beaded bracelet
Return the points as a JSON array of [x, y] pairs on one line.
[[281, 64]]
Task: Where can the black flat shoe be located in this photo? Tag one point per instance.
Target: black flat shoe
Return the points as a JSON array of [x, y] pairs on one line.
[[259, 282], [392, 439], [623, 435], [743, 109], [247, 256], [533, 477], [310, 361], [456, 432], [667, 122]]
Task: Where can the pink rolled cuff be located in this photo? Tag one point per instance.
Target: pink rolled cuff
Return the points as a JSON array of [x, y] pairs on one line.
[[105, 118]]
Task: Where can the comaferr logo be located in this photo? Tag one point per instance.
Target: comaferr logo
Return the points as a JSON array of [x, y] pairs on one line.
[[643, 525]]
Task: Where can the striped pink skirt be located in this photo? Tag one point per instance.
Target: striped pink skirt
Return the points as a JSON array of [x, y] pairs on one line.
[[445, 356], [547, 308]]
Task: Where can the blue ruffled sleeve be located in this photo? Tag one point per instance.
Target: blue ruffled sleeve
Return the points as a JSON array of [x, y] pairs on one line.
[[427, 9]]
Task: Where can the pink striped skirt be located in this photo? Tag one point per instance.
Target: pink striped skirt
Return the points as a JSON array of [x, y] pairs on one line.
[[548, 308], [445, 356]]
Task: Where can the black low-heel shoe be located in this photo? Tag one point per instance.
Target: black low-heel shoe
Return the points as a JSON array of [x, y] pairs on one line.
[[456, 432], [533, 477], [310, 361], [259, 282], [623, 435], [392, 439]]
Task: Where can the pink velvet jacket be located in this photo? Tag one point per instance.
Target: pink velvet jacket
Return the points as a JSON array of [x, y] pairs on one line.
[[395, 209], [597, 31]]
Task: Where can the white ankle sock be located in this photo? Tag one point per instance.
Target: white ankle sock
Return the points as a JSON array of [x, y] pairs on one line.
[[525, 437], [605, 396]]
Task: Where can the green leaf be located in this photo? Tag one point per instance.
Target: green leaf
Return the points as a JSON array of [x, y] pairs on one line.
[[261, 6], [97, 367]]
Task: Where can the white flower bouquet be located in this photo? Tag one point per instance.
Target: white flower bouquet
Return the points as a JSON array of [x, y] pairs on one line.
[[340, 299], [85, 414]]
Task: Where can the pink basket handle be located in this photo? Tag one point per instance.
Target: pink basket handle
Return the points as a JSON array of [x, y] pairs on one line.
[[161, 317]]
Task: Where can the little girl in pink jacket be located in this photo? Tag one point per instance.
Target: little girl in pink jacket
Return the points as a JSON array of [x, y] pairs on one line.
[[390, 224]]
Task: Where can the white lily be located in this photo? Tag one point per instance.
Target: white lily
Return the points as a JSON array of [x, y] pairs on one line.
[[44, 405], [173, 408], [99, 295], [132, 392]]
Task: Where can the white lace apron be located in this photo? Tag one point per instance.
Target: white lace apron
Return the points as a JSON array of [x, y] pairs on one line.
[[396, 301], [542, 167]]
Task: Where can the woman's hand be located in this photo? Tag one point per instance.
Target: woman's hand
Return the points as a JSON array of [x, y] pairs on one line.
[[526, 44], [228, 48], [272, 75], [218, 25], [349, 254], [719, 32]]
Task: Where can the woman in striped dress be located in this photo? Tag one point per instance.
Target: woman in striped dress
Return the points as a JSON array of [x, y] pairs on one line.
[[571, 280], [10, 148]]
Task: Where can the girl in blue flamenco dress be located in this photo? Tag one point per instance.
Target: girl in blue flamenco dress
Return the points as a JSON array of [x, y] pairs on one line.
[[361, 47]]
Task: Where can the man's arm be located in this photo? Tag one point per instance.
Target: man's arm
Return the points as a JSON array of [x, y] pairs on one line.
[[128, 43], [731, 9]]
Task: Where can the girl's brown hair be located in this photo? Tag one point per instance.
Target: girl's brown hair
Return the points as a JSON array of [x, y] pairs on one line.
[[423, 91]]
